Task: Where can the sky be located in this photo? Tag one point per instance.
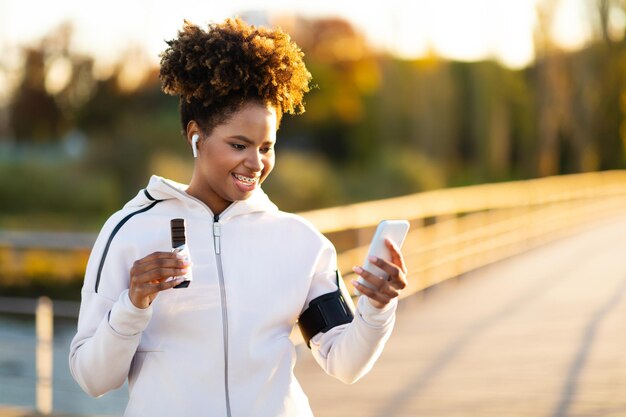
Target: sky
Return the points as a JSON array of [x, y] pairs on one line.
[[457, 29]]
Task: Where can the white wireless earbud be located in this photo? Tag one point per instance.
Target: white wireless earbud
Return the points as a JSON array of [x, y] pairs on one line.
[[194, 145]]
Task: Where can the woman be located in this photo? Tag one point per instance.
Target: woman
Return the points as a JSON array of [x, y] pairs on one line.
[[221, 347]]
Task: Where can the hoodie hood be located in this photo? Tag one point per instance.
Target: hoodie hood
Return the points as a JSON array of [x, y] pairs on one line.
[[160, 189]]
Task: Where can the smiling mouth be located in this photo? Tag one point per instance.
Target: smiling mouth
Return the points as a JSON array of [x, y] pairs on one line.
[[246, 180]]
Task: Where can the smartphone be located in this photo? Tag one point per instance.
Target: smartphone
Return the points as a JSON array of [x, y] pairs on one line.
[[394, 230]]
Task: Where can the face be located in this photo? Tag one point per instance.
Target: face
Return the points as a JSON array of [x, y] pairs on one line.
[[236, 158]]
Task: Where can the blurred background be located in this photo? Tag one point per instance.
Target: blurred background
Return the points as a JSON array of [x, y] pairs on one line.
[[408, 97]]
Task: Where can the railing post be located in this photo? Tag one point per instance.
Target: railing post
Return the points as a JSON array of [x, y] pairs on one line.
[[44, 326]]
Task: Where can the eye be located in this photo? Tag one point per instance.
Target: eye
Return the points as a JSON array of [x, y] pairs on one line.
[[238, 146], [267, 149]]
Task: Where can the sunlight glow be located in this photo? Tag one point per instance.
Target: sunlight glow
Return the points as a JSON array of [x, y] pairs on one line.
[[569, 30], [456, 29], [59, 75]]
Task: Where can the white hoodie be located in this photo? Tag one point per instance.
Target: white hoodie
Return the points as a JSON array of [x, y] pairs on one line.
[[221, 346]]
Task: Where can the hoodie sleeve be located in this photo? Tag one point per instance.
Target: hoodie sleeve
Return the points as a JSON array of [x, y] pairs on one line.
[[349, 351], [109, 325]]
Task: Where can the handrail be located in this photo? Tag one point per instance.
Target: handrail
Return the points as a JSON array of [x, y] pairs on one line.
[[472, 198], [457, 230], [28, 306]]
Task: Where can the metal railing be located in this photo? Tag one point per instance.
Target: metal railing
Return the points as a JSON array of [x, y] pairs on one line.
[[457, 230]]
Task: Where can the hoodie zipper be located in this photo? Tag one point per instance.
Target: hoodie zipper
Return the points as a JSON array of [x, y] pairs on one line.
[[220, 272], [217, 233]]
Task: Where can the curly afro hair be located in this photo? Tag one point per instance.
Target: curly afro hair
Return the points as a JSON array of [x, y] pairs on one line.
[[216, 72]]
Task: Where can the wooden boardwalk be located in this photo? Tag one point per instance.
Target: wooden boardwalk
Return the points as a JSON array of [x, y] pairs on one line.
[[541, 334]]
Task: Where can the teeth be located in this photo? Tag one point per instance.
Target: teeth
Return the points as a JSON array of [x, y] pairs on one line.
[[245, 179]]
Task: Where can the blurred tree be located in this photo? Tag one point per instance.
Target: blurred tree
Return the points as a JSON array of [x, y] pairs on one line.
[[55, 83], [607, 18], [346, 74], [34, 114], [129, 126], [485, 124], [551, 86], [608, 58], [417, 109]]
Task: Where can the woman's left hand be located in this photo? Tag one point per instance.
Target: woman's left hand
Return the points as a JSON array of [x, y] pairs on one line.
[[384, 290]]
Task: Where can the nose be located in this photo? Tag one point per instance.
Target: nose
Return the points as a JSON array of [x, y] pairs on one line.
[[254, 161]]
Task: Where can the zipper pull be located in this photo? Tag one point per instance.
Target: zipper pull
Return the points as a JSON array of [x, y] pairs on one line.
[[216, 234]]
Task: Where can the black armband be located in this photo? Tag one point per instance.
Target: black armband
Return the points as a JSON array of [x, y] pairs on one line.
[[325, 312]]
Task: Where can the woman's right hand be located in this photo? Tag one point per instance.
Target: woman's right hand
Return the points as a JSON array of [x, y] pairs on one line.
[[149, 274]]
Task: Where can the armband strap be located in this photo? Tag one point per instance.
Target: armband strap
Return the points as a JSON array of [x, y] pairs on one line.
[[324, 312]]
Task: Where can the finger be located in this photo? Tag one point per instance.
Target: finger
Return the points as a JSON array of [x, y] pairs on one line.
[[156, 263], [143, 294], [375, 280], [371, 293], [163, 285], [165, 263], [155, 256], [389, 291], [392, 270], [396, 256], [396, 277], [154, 277], [158, 275]]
